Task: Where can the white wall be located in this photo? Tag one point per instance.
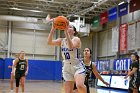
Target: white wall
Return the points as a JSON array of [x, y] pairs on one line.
[[136, 15], [3, 37], [105, 43], [22, 39], [130, 17], [41, 46], [86, 42], [29, 37]]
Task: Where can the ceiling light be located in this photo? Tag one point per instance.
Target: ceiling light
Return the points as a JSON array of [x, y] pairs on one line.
[[76, 15], [121, 3], [14, 8], [35, 11]]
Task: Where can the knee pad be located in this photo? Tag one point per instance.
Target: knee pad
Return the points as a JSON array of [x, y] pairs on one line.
[[17, 82]]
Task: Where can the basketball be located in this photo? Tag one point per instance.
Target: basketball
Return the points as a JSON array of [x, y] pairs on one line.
[[60, 23]]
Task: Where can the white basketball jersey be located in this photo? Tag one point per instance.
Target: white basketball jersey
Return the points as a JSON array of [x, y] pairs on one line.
[[71, 55]]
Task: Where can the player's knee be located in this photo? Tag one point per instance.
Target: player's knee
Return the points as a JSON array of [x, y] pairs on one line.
[[17, 84], [22, 81], [80, 85], [22, 84]]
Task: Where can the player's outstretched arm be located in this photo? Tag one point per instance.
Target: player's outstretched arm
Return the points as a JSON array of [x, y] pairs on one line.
[[72, 43], [98, 75], [50, 40]]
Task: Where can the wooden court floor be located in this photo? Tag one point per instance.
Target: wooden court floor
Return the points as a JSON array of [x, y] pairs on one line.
[[46, 87]]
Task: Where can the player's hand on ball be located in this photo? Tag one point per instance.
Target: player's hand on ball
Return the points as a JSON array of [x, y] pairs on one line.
[[66, 28]]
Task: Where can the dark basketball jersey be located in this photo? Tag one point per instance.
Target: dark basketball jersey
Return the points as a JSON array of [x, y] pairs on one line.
[[134, 79], [88, 71], [21, 66], [136, 74]]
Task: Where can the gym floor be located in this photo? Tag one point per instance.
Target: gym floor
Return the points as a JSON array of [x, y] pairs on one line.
[[49, 87]]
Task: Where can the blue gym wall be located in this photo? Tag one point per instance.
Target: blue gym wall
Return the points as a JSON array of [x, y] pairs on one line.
[[1, 68], [38, 69]]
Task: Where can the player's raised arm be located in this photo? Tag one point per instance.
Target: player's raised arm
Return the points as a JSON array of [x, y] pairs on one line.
[[72, 41], [50, 40]]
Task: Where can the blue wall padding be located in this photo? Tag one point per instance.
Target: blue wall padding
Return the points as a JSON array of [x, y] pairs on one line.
[[39, 70], [45, 70], [1, 68], [7, 71], [58, 71]]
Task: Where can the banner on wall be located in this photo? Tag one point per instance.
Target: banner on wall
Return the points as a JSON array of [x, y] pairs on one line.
[[131, 39], [123, 37], [103, 17], [134, 5], [138, 35], [112, 14], [103, 65], [96, 21], [122, 64], [123, 9], [115, 39]]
